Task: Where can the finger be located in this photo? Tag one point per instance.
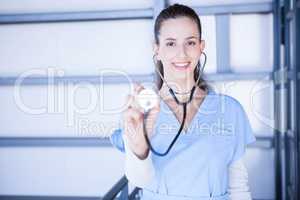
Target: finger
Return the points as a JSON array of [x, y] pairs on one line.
[[151, 119], [138, 107], [133, 128], [135, 106], [156, 108], [133, 114], [130, 133], [129, 123], [128, 101], [137, 88], [132, 103]]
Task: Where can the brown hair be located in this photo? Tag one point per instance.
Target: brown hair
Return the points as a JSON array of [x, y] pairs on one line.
[[173, 12]]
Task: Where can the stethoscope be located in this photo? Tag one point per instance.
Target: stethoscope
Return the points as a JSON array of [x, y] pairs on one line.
[[148, 103]]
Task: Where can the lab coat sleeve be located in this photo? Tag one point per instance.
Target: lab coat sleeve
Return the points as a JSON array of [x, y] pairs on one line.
[[139, 172], [238, 181]]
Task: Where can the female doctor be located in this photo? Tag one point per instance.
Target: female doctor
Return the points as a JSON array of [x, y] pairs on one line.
[[206, 160]]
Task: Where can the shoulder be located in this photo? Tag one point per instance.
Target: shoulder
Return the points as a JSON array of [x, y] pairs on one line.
[[224, 102], [232, 103]]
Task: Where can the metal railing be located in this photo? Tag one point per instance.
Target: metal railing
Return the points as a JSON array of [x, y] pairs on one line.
[[120, 191]]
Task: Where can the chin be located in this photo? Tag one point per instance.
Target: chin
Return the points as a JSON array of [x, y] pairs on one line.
[[182, 76]]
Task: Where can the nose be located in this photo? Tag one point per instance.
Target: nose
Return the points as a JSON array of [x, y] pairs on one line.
[[182, 52]]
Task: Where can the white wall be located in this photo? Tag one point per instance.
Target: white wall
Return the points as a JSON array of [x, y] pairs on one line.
[[69, 171]]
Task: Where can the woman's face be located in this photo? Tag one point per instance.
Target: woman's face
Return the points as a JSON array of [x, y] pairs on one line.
[[179, 48]]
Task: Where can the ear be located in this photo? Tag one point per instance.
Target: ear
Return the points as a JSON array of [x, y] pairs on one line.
[[156, 50], [202, 45]]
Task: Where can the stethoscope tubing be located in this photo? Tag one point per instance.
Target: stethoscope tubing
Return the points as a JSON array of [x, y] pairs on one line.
[[184, 106]]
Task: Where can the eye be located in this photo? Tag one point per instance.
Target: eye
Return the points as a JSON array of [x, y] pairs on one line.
[[191, 43], [170, 44]]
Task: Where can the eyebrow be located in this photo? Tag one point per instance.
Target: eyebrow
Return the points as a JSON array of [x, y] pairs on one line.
[[191, 37], [170, 39]]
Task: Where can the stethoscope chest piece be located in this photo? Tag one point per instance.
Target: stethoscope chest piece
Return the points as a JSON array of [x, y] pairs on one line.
[[147, 99]]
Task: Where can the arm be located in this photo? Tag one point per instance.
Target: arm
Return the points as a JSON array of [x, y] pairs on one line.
[[138, 172], [238, 181]]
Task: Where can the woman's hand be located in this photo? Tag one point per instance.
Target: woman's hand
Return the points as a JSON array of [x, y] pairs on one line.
[[133, 118]]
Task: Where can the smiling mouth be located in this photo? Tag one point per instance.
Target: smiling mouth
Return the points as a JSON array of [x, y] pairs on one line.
[[182, 65]]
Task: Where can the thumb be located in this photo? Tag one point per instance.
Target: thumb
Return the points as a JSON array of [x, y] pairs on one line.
[[155, 110], [151, 120]]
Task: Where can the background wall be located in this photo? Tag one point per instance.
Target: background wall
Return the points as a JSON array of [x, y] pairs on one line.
[[53, 129]]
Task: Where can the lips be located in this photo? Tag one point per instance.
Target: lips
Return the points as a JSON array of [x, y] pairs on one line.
[[181, 65]]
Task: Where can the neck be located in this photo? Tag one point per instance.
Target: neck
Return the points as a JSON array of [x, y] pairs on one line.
[[181, 87]]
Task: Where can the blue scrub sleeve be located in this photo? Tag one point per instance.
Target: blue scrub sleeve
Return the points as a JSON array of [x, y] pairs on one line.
[[116, 139], [243, 134]]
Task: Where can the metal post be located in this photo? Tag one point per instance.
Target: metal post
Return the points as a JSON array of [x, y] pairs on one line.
[[277, 100], [286, 184], [297, 89]]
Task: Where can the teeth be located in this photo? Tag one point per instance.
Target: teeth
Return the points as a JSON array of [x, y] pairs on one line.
[[181, 64]]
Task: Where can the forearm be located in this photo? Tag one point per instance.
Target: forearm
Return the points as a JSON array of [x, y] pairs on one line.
[[138, 172], [238, 181]]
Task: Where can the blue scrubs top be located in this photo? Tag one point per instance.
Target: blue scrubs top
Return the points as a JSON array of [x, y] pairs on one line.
[[196, 168]]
